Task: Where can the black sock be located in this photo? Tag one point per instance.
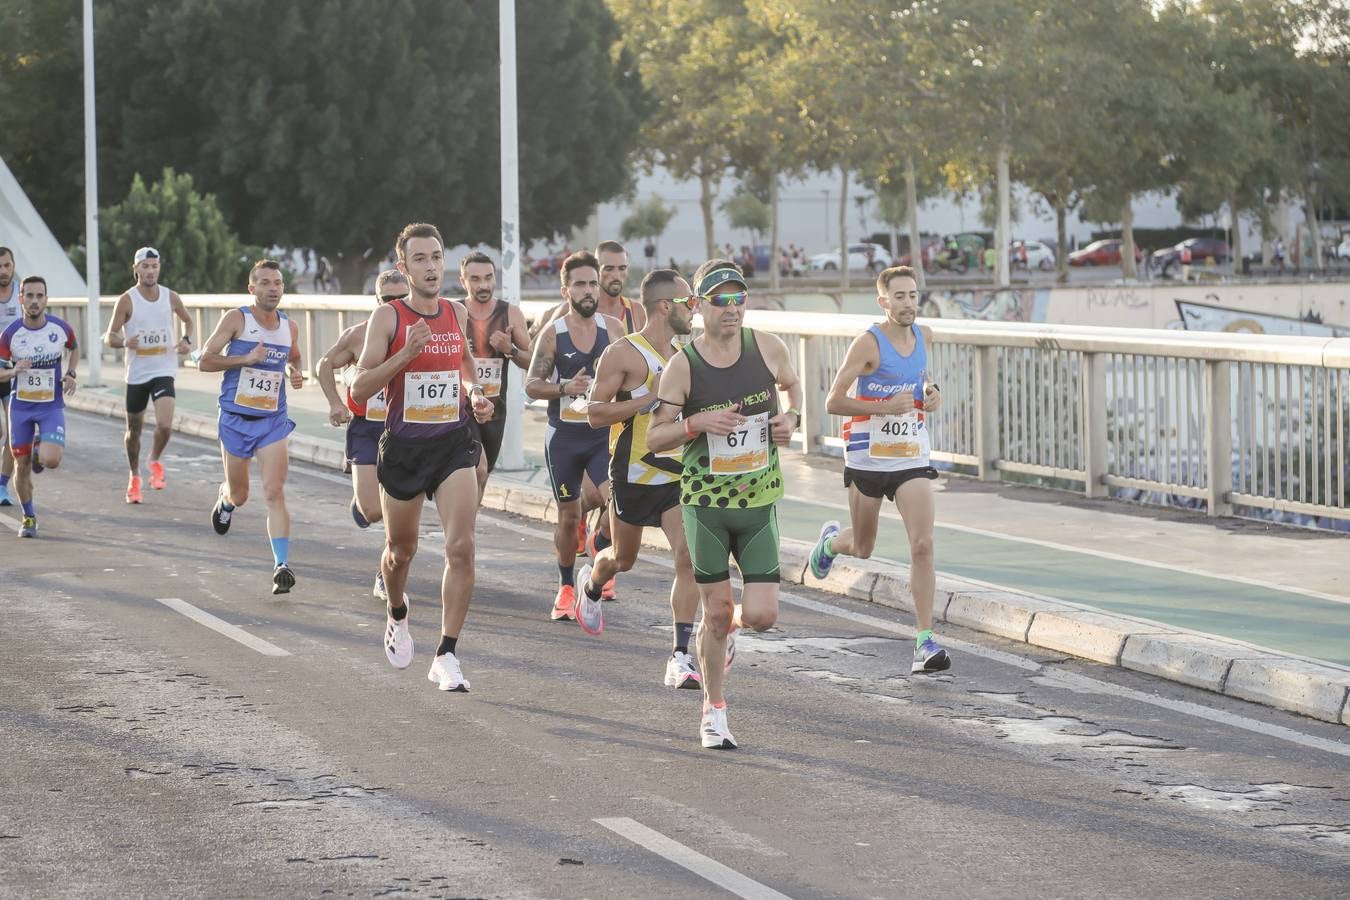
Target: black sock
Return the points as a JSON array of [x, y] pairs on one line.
[[592, 589], [447, 645], [398, 613], [683, 632]]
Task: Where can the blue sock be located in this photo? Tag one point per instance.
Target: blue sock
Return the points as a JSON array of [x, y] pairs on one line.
[[4, 481], [28, 508], [565, 575], [279, 548]]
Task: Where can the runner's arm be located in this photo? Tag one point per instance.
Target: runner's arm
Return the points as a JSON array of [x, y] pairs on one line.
[[213, 351], [862, 357], [666, 431], [376, 367], [538, 383], [294, 364], [121, 313], [468, 372], [611, 372], [520, 337], [932, 395], [179, 310], [783, 425], [72, 363], [339, 356], [542, 326]]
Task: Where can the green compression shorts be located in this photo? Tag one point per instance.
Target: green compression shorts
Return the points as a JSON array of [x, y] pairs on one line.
[[749, 535]]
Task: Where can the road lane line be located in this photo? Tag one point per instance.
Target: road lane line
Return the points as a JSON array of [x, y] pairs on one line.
[[220, 626], [1070, 680], [708, 869]]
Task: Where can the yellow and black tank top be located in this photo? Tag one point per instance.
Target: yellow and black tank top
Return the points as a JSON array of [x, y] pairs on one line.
[[630, 460]]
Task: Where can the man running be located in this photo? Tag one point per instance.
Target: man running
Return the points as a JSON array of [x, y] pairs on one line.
[[644, 486], [497, 335], [258, 349], [416, 351], [364, 421], [142, 323], [560, 372], [725, 384], [883, 386], [35, 346], [11, 311]]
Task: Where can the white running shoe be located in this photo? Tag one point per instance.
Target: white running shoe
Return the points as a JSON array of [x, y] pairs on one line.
[[590, 613], [379, 592], [445, 672], [714, 731], [681, 672], [398, 642]]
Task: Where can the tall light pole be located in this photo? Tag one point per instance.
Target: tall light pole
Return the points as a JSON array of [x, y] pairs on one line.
[[93, 329], [513, 448]]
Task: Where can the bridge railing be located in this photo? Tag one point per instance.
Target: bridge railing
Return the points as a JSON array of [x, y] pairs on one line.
[[1212, 420]]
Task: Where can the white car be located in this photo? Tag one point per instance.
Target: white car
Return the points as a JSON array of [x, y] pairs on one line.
[[1343, 249], [857, 259], [1039, 256]]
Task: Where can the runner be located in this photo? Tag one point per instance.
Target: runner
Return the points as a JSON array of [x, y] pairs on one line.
[[496, 334], [11, 310], [724, 385], [35, 346], [146, 312], [883, 386], [645, 486], [560, 372], [255, 346], [365, 421], [416, 351]]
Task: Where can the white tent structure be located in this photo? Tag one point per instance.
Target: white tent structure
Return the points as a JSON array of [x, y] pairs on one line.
[[36, 250]]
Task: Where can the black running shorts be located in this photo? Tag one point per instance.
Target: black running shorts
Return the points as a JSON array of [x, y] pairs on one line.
[[408, 467]]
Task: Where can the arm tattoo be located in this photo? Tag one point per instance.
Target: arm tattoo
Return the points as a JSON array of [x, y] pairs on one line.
[[542, 367]]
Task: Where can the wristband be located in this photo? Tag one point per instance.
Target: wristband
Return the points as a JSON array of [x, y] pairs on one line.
[[794, 411], [687, 429]]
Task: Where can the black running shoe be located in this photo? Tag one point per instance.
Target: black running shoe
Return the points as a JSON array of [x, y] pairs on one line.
[[220, 516], [283, 579]]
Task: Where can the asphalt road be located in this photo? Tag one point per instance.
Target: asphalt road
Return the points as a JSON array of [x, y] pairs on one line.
[[146, 754]]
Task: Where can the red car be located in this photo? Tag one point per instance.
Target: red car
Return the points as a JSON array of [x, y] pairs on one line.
[[1102, 253]]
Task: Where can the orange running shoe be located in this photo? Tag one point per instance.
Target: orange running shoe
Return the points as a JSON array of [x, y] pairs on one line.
[[157, 480], [565, 604], [134, 489], [581, 537], [607, 592]]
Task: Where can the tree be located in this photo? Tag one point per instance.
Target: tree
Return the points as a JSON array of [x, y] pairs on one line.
[[317, 130], [648, 219], [745, 210], [200, 252]]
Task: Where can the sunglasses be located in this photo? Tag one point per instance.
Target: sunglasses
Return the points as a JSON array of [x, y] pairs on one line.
[[736, 299], [691, 300], [390, 297]]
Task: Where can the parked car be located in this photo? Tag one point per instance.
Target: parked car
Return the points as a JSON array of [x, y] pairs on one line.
[[857, 259], [1038, 255], [1202, 249], [1343, 248], [1102, 253]]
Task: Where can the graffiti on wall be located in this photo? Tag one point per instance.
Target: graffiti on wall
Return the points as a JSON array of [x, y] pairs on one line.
[[1212, 317], [984, 304]]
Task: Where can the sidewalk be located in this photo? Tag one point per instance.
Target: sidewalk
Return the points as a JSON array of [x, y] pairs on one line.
[[1124, 585]]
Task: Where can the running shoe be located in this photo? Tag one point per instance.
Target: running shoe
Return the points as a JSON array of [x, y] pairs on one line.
[[283, 579], [565, 604], [445, 672], [681, 672], [820, 560], [398, 642], [29, 527], [581, 537], [157, 479], [607, 592], [220, 516], [590, 614], [5, 499], [929, 657], [360, 520], [134, 489], [379, 592], [714, 731]]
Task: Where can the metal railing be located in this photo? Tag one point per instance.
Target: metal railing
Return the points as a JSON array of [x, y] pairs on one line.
[[1212, 420]]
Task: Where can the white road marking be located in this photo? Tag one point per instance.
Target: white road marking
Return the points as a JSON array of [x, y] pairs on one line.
[[222, 627], [708, 869], [1068, 680]]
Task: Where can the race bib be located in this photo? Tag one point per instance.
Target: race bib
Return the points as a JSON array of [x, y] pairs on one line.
[[36, 385], [153, 343], [489, 374], [431, 398], [258, 389], [894, 437], [744, 450], [377, 407], [575, 410]]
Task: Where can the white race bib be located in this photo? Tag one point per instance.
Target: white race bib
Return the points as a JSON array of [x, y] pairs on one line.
[[377, 407], [36, 385], [894, 437], [153, 343], [742, 451], [259, 389], [431, 398], [489, 374]]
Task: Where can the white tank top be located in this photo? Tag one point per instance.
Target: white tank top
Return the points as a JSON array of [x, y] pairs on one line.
[[152, 322], [11, 308]]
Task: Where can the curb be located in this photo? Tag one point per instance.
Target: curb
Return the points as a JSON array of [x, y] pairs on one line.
[[1229, 667]]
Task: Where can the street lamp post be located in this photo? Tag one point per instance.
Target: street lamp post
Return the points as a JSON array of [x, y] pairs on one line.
[[513, 447], [93, 329]]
